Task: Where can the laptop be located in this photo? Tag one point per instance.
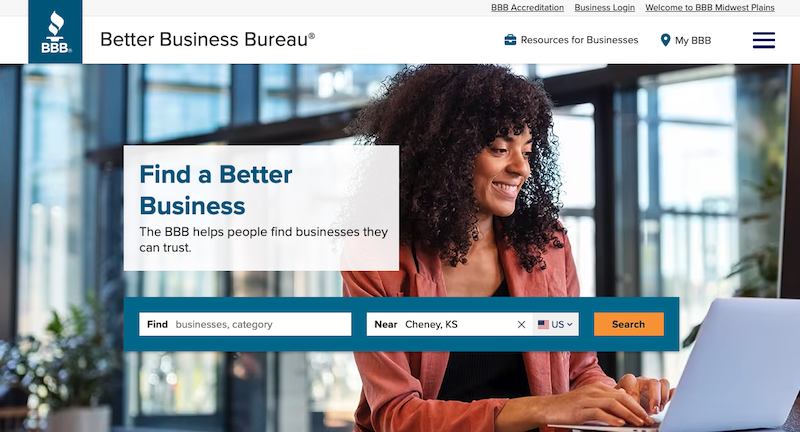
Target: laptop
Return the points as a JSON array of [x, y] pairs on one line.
[[743, 371]]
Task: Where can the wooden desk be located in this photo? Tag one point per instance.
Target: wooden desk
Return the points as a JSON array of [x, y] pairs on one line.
[[12, 419]]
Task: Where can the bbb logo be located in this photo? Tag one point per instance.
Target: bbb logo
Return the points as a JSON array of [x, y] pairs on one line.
[[55, 46]]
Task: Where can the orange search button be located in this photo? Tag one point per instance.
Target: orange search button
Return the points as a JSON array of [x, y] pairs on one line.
[[629, 324]]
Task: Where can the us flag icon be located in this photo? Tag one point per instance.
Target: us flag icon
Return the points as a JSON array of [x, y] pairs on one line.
[[543, 324]]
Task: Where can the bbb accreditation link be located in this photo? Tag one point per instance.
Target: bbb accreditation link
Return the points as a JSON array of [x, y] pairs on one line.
[[512, 7]]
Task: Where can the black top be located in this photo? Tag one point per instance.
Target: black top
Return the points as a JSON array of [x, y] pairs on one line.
[[482, 375]]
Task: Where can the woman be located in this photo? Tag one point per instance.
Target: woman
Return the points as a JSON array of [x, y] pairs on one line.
[[478, 218]]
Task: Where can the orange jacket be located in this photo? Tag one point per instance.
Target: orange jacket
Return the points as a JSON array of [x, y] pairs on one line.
[[400, 388]]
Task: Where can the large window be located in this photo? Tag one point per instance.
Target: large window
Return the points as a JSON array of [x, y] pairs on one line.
[[305, 90], [53, 194], [710, 151], [574, 127], [277, 95], [185, 100], [326, 88]]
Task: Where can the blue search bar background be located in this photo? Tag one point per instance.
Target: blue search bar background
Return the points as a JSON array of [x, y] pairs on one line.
[[316, 335]]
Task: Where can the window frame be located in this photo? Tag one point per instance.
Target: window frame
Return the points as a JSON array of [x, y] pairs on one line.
[[10, 122]]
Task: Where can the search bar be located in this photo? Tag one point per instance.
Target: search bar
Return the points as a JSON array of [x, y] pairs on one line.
[[472, 324], [245, 324]]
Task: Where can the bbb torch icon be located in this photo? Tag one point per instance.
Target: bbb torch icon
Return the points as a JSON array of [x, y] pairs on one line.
[[55, 46]]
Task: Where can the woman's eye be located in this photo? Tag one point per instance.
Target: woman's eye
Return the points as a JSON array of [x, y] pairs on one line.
[[499, 150]]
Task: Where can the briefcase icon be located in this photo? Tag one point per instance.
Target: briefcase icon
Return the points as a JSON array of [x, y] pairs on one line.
[[511, 39]]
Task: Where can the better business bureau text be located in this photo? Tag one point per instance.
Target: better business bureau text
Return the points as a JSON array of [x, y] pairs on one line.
[[167, 39]]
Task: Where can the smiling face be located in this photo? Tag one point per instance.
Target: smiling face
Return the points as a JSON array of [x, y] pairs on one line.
[[500, 170]]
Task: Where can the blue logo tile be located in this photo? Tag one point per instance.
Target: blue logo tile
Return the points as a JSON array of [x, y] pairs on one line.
[[55, 31]]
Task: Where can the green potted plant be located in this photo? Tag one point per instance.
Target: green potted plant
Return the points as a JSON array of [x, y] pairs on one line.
[[15, 360], [65, 371]]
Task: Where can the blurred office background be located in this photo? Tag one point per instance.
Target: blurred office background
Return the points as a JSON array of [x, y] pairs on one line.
[[672, 181]]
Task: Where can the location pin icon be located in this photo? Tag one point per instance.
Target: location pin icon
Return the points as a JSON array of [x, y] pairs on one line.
[[665, 39]]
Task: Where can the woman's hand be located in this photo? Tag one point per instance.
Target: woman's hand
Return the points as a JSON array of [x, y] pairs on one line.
[[593, 402], [652, 394]]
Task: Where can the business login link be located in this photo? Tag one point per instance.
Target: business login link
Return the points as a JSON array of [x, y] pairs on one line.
[[577, 40]]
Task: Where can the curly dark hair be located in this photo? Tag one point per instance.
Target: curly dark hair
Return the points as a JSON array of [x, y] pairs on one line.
[[442, 116]]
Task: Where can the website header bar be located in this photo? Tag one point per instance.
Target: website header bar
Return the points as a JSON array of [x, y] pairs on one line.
[[651, 40]]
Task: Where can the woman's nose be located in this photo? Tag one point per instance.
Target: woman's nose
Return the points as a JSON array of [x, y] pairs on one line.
[[519, 165]]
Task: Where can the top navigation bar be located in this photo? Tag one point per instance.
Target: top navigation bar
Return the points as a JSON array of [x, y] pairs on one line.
[[232, 8], [250, 40], [76, 31]]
